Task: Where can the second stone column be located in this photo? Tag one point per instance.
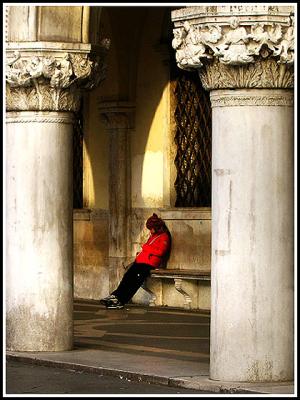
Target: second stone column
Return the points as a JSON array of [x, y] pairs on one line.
[[244, 56]]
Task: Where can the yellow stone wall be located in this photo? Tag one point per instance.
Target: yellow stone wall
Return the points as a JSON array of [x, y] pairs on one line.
[[151, 132], [96, 152], [152, 123]]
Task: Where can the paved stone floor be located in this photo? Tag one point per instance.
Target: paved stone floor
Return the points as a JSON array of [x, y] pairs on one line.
[[173, 333]]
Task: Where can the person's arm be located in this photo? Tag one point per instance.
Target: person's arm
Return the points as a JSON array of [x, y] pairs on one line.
[[159, 247]]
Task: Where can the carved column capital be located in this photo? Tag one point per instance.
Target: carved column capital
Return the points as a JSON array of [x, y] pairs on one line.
[[236, 46], [116, 115], [48, 76]]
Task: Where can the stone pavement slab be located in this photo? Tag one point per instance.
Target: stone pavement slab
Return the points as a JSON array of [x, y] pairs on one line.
[[155, 345]]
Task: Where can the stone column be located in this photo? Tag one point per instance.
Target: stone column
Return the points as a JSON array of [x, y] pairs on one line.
[[244, 55], [117, 117], [43, 84]]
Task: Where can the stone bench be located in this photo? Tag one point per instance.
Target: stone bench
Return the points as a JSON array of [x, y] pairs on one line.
[[178, 275]]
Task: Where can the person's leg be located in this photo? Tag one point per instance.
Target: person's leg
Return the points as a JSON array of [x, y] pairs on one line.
[[131, 282], [124, 283]]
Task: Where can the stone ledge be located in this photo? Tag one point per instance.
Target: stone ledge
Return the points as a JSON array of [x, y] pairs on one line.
[[203, 213], [88, 214]]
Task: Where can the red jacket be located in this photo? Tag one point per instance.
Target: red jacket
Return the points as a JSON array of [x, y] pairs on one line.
[[154, 249]]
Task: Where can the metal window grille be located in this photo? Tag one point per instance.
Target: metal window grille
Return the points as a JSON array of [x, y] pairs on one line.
[[78, 162], [192, 115]]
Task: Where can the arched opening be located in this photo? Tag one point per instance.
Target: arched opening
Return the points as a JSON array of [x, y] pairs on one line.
[[167, 158]]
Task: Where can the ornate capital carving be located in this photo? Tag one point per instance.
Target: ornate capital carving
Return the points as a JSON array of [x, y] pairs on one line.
[[261, 74], [230, 43], [47, 76], [116, 115]]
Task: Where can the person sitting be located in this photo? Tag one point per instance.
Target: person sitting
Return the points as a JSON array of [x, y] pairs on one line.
[[153, 254]]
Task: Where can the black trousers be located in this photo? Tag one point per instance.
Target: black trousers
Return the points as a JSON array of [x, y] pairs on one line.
[[132, 280]]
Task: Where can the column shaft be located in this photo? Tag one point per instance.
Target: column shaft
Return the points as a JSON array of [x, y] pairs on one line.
[[252, 235], [44, 83], [39, 231], [244, 54]]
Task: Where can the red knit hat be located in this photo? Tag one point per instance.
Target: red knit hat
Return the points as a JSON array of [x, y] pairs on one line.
[[154, 222]]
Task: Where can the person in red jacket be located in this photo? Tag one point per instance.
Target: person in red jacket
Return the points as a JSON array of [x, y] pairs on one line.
[[154, 253]]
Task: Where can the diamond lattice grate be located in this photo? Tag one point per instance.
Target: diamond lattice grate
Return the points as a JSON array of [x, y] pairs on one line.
[[193, 140]]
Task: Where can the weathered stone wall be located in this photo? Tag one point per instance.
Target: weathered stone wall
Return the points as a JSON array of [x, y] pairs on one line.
[[54, 24], [90, 234], [191, 245]]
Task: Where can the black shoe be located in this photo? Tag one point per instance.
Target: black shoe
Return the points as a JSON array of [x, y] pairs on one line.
[[114, 303], [107, 299]]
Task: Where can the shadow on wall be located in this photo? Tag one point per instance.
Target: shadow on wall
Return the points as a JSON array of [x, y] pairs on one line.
[[152, 111]]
